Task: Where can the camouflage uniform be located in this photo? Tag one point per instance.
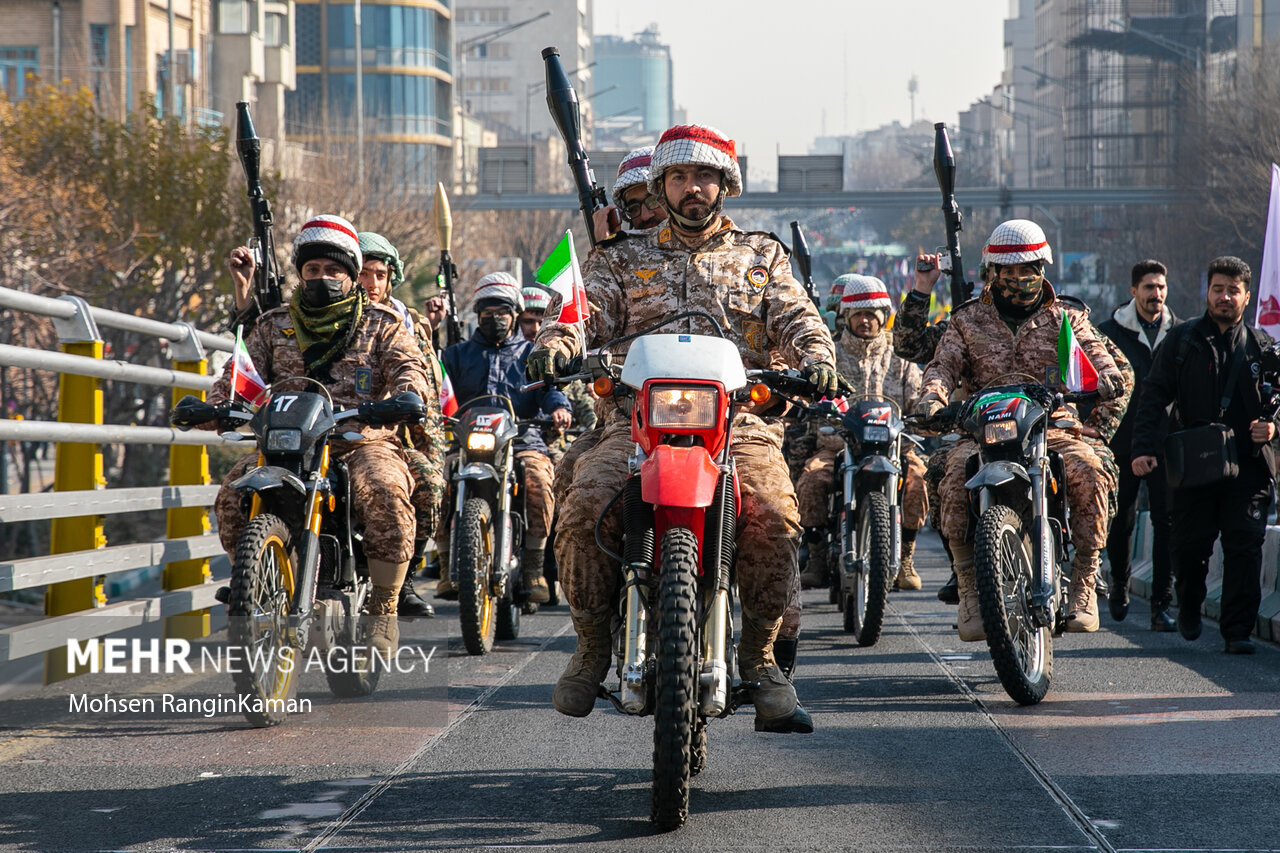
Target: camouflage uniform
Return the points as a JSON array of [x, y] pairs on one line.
[[913, 338], [1105, 418], [744, 281], [584, 415], [425, 445], [977, 348], [381, 361]]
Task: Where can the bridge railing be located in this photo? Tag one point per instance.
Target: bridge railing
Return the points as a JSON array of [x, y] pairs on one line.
[[78, 571]]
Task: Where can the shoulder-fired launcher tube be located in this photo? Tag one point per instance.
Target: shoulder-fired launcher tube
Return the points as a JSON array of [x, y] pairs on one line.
[[562, 101], [800, 251], [944, 167]]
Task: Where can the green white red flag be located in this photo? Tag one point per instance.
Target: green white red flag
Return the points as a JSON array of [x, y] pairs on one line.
[[1074, 366], [562, 274], [245, 379], [448, 399]]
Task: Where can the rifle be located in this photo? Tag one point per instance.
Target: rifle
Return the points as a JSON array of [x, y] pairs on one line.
[[804, 261], [944, 167], [448, 272], [266, 273], [563, 103]]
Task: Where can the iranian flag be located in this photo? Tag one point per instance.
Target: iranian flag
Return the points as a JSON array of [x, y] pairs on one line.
[[561, 274], [1075, 368], [245, 379], [448, 399]]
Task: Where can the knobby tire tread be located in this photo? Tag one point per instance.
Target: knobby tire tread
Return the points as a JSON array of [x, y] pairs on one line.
[[475, 562], [677, 680], [247, 571], [879, 567]]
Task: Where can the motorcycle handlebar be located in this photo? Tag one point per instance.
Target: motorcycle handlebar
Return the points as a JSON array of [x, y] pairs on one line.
[[1081, 397], [554, 382]]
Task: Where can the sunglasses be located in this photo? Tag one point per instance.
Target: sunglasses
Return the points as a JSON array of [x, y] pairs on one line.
[[651, 202]]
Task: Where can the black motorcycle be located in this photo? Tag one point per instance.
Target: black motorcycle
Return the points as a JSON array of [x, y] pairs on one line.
[[299, 577], [1022, 539]]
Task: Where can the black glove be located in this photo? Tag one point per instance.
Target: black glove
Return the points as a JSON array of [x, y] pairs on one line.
[[191, 411], [823, 377], [543, 365]]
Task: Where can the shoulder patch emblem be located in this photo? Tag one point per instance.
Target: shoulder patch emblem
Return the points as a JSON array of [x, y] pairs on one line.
[[645, 275], [364, 381], [288, 332], [758, 276], [753, 334], [664, 235]]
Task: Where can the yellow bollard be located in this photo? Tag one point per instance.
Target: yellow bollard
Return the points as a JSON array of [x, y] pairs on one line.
[[78, 466], [188, 465]]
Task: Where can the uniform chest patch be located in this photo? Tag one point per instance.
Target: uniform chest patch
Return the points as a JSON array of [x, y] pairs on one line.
[[758, 276], [364, 381], [1053, 376], [645, 275], [753, 334], [642, 292], [664, 235], [288, 332]]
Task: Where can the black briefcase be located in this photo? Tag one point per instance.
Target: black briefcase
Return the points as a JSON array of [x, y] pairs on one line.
[[1201, 456]]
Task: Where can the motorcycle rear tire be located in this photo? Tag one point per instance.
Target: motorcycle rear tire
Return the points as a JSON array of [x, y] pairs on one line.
[[509, 611], [473, 551], [1022, 653], [362, 677], [864, 607], [258, 617], [675, 711]]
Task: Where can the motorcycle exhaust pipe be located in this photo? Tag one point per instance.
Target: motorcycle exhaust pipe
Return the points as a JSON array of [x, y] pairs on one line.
[[632, 687], [714, 679]]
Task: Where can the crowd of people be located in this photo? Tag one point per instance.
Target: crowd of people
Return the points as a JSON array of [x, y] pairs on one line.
[[666, 246]]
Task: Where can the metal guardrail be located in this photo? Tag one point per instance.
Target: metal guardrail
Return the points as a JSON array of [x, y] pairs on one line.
[[75, 572]]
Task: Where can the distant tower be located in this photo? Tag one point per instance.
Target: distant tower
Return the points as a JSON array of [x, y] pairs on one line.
[[913, 86]]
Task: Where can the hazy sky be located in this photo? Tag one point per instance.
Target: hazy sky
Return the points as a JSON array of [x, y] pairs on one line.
[[773, 75]]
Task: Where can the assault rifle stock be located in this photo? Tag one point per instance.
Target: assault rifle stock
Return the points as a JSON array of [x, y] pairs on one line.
[[563, 103], [266, 273], [944, 167]]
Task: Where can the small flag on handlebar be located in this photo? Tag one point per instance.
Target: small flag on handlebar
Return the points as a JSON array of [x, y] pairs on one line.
[[1075, 368], [245, 379], [448, 399]]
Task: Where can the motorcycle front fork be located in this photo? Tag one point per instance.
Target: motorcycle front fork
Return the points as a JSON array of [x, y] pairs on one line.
[[713, 681]]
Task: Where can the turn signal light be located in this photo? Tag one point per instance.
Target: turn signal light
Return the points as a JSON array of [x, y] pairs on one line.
[[333, 503], [602, 386], [760, 393]]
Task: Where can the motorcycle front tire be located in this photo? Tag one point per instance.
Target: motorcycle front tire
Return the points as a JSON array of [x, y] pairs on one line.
[[675, 710], [864, 606], [258, 617], [473, 551], [1021, 651]]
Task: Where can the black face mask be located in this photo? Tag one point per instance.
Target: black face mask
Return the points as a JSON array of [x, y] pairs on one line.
[[322, 292], [496, 328]]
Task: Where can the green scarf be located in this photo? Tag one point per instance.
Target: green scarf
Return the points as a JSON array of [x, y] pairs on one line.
[[323, 334]]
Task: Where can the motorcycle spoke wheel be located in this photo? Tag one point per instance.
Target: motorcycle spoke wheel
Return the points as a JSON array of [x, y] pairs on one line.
[[360, 677], [1021, 651], [864, 607], [473, 551], [675, 711], [258, 619]]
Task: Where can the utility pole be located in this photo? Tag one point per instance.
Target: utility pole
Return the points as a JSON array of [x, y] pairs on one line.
[[359, 100], [913, 86]]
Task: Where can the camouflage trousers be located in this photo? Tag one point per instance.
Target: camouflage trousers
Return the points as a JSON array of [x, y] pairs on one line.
[[819, 478], [539, 503], [768, 527], [934, 471], [380, 487], [1088, 483], [428, 492], [568, 461]]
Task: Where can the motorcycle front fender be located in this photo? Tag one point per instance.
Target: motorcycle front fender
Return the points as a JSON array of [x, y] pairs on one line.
[[679, 477], [266, 477], [877, 465], [477, 471], [996, 474]]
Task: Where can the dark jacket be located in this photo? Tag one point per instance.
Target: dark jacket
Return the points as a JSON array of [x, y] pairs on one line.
[[1125, 330], [478, 367], [1194, 387]]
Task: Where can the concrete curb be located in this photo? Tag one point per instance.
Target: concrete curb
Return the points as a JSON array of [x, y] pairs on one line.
[[1268, 625]]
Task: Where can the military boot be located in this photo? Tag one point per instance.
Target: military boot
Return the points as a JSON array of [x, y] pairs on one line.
[[535, 584], [784, 651], [907, 577], [444, 587], [575, 692], [384, 630], [969, 618], [1082, 610], [412, 605], [775, 698], [815, 568]]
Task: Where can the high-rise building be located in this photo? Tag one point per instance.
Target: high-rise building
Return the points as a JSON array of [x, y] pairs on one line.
[[119, 49], [633, 87], [401, 126], [253, 59]]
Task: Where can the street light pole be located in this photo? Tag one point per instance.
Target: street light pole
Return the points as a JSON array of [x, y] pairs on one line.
[[359, 100]]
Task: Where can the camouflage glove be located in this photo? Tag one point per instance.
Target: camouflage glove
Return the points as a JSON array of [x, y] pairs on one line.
[[929, 406], [542, 365], [1110, 386], [823, 377]]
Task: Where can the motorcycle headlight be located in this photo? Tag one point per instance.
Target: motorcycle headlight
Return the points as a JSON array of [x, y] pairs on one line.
[[284, 440], [682, 408], [875, 434], [998, 432], [481, 441]]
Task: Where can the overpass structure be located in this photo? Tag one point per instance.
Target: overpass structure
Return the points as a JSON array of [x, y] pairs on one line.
[[882, 199]]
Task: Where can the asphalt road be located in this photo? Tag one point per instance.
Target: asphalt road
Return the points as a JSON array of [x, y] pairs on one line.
[[1145, 742]]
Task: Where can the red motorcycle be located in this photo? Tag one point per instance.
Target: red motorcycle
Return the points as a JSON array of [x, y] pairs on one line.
[[674, 635]]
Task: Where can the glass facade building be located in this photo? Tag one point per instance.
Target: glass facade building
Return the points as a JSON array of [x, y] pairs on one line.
[[407, 86]]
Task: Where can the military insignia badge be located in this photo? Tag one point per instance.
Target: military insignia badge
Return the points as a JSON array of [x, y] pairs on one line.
[[288, 333], [364, 381], [1053, 375], [758, 276], [664, 235], [753, 334], [645, 275]]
